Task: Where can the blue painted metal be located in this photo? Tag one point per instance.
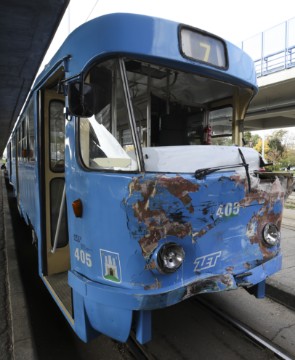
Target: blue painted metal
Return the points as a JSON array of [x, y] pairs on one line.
[[111, 34], [144, 326], [190, 221], [150, 210]]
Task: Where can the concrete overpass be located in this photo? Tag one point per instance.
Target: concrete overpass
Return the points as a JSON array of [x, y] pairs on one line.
[[26, 30], [274, 105], [274, 53]]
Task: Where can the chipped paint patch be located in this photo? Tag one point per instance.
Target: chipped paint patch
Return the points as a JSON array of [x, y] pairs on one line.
[[160, 206], [211, 284]]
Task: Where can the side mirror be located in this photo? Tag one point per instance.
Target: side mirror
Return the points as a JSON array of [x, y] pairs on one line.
[[81, 99]]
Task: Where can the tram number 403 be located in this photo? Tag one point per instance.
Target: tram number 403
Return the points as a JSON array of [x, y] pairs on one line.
[[228, 209], [83, 257]]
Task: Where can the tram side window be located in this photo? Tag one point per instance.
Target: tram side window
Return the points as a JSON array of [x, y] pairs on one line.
[[57, 135], [19, 143], [31, 135], [102, 144], [24, 146], [13, 147]]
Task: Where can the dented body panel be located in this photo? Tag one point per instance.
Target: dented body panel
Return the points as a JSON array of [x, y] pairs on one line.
[[216, 220]]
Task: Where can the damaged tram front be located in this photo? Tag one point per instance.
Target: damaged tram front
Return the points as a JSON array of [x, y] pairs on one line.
[[163, 201], [177, 207]]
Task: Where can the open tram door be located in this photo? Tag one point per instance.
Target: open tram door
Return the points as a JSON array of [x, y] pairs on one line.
[[55, 252]]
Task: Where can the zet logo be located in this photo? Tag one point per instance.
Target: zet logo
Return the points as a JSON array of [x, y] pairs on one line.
[[110, 265], [207, 261]]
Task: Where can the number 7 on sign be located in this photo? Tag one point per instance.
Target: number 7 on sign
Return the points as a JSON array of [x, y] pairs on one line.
[[207, 48]]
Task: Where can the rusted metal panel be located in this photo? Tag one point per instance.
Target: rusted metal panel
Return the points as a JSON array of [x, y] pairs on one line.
[[215, 215]]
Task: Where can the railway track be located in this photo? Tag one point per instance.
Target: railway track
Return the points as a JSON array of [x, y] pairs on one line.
[[268, 349], [139, 351], [246, 330]]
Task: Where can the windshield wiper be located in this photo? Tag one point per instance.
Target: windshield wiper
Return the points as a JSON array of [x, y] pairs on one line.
[[201, 173], [246, 166]]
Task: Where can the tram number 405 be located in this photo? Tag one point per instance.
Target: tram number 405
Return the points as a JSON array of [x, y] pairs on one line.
[[228, 209], [83, 257]]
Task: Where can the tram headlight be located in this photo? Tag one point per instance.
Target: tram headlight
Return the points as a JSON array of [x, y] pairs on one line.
[[271, 234], [170, 257]]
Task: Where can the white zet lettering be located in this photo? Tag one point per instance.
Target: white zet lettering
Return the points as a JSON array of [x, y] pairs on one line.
[[206, 261]]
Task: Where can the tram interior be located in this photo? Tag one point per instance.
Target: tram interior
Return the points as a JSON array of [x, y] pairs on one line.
[[170, 108]]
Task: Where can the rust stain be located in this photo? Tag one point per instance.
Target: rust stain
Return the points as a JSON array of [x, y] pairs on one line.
[[161, 215], [268, 193], [203, 231], [211, 284], [159, 223], [247, 266], [155, 285], [151, 265], [230, 269], [180, 188]]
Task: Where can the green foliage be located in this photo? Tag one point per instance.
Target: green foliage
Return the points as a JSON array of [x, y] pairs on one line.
[[289, 159], [251, 140], [276, 149]]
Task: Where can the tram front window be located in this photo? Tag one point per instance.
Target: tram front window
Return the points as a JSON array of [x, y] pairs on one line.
[[175, 108], [169, 108], [102, 141]]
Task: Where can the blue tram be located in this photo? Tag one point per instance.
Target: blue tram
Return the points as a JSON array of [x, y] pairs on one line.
[[127, 162]]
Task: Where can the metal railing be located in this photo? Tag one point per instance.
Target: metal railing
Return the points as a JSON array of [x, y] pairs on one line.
[[274, 49]]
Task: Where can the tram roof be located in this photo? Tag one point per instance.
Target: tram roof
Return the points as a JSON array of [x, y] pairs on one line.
[[147, 38]]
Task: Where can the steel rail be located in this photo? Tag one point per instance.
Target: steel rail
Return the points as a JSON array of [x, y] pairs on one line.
[[138, 350], [258, 338]]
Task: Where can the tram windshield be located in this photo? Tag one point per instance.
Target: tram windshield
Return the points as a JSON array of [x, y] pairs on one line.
[[139, 104]]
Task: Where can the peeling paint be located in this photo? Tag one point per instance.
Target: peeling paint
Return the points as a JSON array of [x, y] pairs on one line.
[[211, 284], [185, 210], [155, 285], [270, 193], [162, 218]]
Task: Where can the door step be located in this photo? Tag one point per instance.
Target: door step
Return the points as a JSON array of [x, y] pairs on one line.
[[58, 283]]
